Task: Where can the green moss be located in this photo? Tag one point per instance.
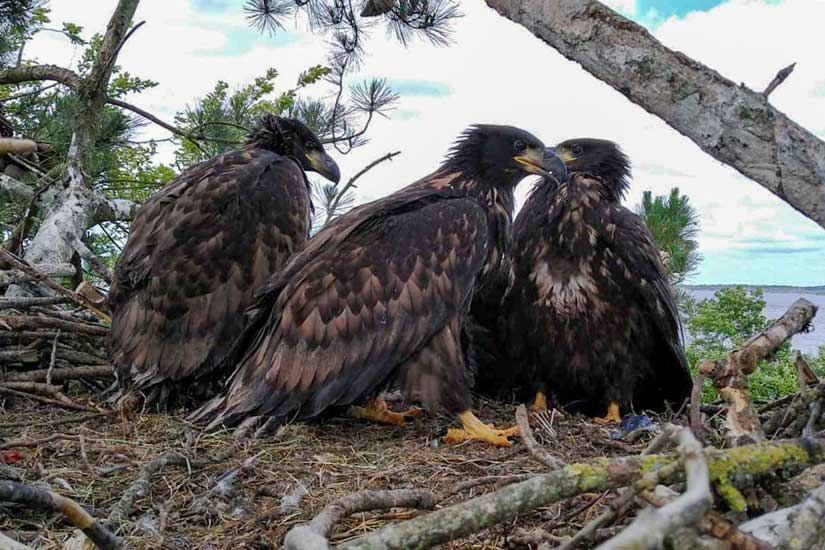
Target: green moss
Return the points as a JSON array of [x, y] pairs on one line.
[[752, 459], [731, 495]]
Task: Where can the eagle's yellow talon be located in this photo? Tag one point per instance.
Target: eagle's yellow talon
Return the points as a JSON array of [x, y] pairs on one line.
[[377, 411], [539, 403], [475, 429], [612, 415]]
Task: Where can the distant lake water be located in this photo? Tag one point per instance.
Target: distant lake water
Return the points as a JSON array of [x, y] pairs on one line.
[[777, 303]]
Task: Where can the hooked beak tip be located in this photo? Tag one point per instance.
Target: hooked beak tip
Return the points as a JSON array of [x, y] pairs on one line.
[[554, 164]]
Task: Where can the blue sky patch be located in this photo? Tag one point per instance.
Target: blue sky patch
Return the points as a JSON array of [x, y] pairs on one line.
[[420, 88], [215, 6], [781, 265], [652, 13], [240, 39], [406, 114]]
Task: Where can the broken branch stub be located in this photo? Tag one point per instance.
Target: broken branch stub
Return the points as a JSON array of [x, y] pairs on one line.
[[730, 375]]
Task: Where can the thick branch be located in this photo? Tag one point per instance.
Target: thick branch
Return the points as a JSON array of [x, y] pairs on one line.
[[732, 123], [32, 73], [17, 146], [733, 466], [7, 260], [59, 375], [313, 536], [71, 210], [10, 544], [806, 527], [15, 276], [47, 500], [652, 525]]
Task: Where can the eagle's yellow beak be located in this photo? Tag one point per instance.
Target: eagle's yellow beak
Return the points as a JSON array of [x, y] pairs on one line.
[[323, 164], [543, 162]]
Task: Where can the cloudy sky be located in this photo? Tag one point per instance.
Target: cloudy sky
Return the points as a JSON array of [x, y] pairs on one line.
[[496, 72]]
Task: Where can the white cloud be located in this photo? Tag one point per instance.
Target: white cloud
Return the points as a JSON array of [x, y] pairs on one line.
[[516, 79], [628, 7]]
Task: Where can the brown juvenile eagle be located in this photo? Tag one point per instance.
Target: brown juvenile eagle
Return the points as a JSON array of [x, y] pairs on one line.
[[379, 297], [200, 247], [591, 317]]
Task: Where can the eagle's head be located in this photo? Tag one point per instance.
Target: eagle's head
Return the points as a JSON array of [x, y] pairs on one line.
[[503, 155], [598, 157], [291, 138]]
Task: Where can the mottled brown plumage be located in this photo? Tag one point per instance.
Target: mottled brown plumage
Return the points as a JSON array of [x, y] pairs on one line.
[[380, 295], [591, 317], [197, 251]]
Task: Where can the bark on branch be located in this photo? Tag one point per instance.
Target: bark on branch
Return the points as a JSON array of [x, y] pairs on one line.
[[732, 123], [314, 535], [728, 468], [14, 190], [31, 73]]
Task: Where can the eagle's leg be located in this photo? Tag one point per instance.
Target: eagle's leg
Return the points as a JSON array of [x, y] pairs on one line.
[[473, 428], [611, 416], [377, 411], [539, 403]]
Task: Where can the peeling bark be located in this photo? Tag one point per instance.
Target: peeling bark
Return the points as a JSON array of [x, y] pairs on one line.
[[70, 209], [730, 375], [730, 122]]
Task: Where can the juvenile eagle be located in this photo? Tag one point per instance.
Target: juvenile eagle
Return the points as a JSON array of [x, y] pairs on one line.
[[379, 297], [591, 317], [199, 248]]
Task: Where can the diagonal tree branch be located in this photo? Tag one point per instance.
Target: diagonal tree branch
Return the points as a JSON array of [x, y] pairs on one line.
[[732, 123]]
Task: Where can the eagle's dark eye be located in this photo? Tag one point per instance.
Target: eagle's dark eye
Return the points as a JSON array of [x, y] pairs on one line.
[[309, 146], [519, 145], [578, 150]]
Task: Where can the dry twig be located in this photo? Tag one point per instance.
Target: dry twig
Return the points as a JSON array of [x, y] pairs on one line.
[[533, 446], [123, 509]]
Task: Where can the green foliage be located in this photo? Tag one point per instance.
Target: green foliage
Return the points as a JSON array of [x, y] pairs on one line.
[[674, 223], [72, 32], [220, 120], [724, 322], [20, 20]]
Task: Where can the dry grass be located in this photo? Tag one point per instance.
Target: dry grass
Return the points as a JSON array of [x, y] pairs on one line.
[[103, 456]]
